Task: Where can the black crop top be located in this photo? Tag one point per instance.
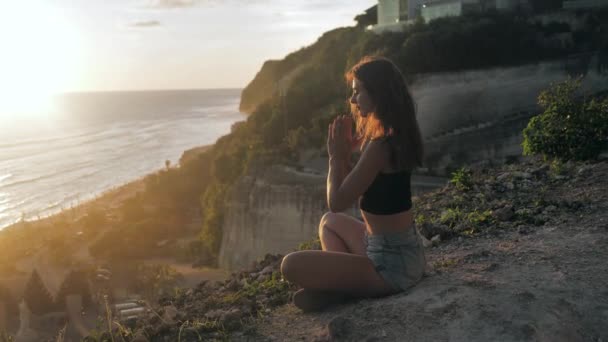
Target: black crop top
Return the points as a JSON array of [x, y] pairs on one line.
[[389, 193]]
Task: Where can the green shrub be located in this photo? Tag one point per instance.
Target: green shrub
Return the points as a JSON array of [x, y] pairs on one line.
[[462, 179], [570, 127], [314, 244]]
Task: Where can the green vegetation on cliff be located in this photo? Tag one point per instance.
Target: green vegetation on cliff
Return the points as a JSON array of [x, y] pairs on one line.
[[291, 101]]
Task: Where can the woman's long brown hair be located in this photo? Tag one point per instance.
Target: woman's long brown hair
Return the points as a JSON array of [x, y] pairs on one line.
[[394, 117]]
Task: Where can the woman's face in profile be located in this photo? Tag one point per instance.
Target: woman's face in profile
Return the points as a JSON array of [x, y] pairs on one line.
[[361, 99]]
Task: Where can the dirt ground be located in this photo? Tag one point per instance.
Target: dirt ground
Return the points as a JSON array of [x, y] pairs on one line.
[[526, 283]]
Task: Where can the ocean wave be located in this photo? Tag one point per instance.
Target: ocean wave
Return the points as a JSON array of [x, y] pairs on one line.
[[52, 168], [6, 176], [69, 169]]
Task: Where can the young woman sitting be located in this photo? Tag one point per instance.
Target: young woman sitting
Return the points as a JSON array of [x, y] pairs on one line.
[[383, 254]]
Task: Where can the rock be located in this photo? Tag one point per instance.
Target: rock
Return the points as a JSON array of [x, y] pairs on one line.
[[139, 337], [502, 176], [540, 170], [425, 242], [261, 277], [435, 240], [214, 314], [339, 328], [524, 175], [170, 312], [232, 285], [510, 185], [503, 214], [550, 208], [211, 285], [267, 270], [523, 230], [584, 171], [231, 319], [526, 184]]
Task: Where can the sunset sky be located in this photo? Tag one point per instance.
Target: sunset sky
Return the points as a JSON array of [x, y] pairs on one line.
[[96, 45]]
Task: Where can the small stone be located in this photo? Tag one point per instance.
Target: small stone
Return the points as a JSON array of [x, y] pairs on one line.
[[139, 337], [584, 170], [267, 270], [503, 214], [214, 314], [261, 277], [211, 285], [435, 240], [339, 327], [510, 185], [503, 176], [425, 242], [232, 285], [541, 170], [170, 312], [524, 175], [232, 318]]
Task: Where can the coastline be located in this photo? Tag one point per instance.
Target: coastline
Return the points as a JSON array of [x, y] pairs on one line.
[[107, 200], [19, 258]]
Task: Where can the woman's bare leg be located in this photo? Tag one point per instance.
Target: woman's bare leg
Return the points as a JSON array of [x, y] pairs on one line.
[[342, 233], [334, 271]]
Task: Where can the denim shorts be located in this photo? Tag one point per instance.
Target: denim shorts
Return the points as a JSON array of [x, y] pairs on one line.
[[398, 257]]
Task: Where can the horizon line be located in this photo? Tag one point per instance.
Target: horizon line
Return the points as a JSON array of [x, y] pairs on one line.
[[141, 90]]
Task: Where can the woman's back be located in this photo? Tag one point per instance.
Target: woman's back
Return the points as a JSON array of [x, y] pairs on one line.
[[386, 204]]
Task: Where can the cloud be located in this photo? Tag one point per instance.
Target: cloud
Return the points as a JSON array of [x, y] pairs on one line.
[[150, 23], [174, 3]]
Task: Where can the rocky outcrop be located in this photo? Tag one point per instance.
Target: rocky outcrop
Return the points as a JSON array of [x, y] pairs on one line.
[[271, 213]]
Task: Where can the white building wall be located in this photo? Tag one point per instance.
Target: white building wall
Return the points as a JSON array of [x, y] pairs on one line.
[[430, 12], [388, 12], [576, 4]]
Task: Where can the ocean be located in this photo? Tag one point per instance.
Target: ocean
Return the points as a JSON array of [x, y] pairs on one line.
[[91, 142]]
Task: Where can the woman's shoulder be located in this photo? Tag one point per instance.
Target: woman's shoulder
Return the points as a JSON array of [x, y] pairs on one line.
[[379, 148]]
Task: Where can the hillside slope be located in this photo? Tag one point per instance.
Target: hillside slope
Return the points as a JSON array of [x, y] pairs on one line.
[[522, 259], [519, 283]]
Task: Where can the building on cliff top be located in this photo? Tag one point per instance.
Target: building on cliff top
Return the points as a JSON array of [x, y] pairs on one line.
[[394, 15]]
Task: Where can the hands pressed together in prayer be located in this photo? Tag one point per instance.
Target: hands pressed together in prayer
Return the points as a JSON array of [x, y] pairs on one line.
[[340, 140]]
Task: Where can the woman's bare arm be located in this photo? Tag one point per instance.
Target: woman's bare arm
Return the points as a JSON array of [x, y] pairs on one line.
[[342, 191]]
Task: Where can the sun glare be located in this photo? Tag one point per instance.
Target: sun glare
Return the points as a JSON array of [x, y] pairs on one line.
[[39, 58]]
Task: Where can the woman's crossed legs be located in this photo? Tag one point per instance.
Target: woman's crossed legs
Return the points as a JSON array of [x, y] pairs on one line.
[[342, 265]]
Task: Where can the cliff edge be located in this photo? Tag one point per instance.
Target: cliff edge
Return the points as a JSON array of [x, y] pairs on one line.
[[517, 254]]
